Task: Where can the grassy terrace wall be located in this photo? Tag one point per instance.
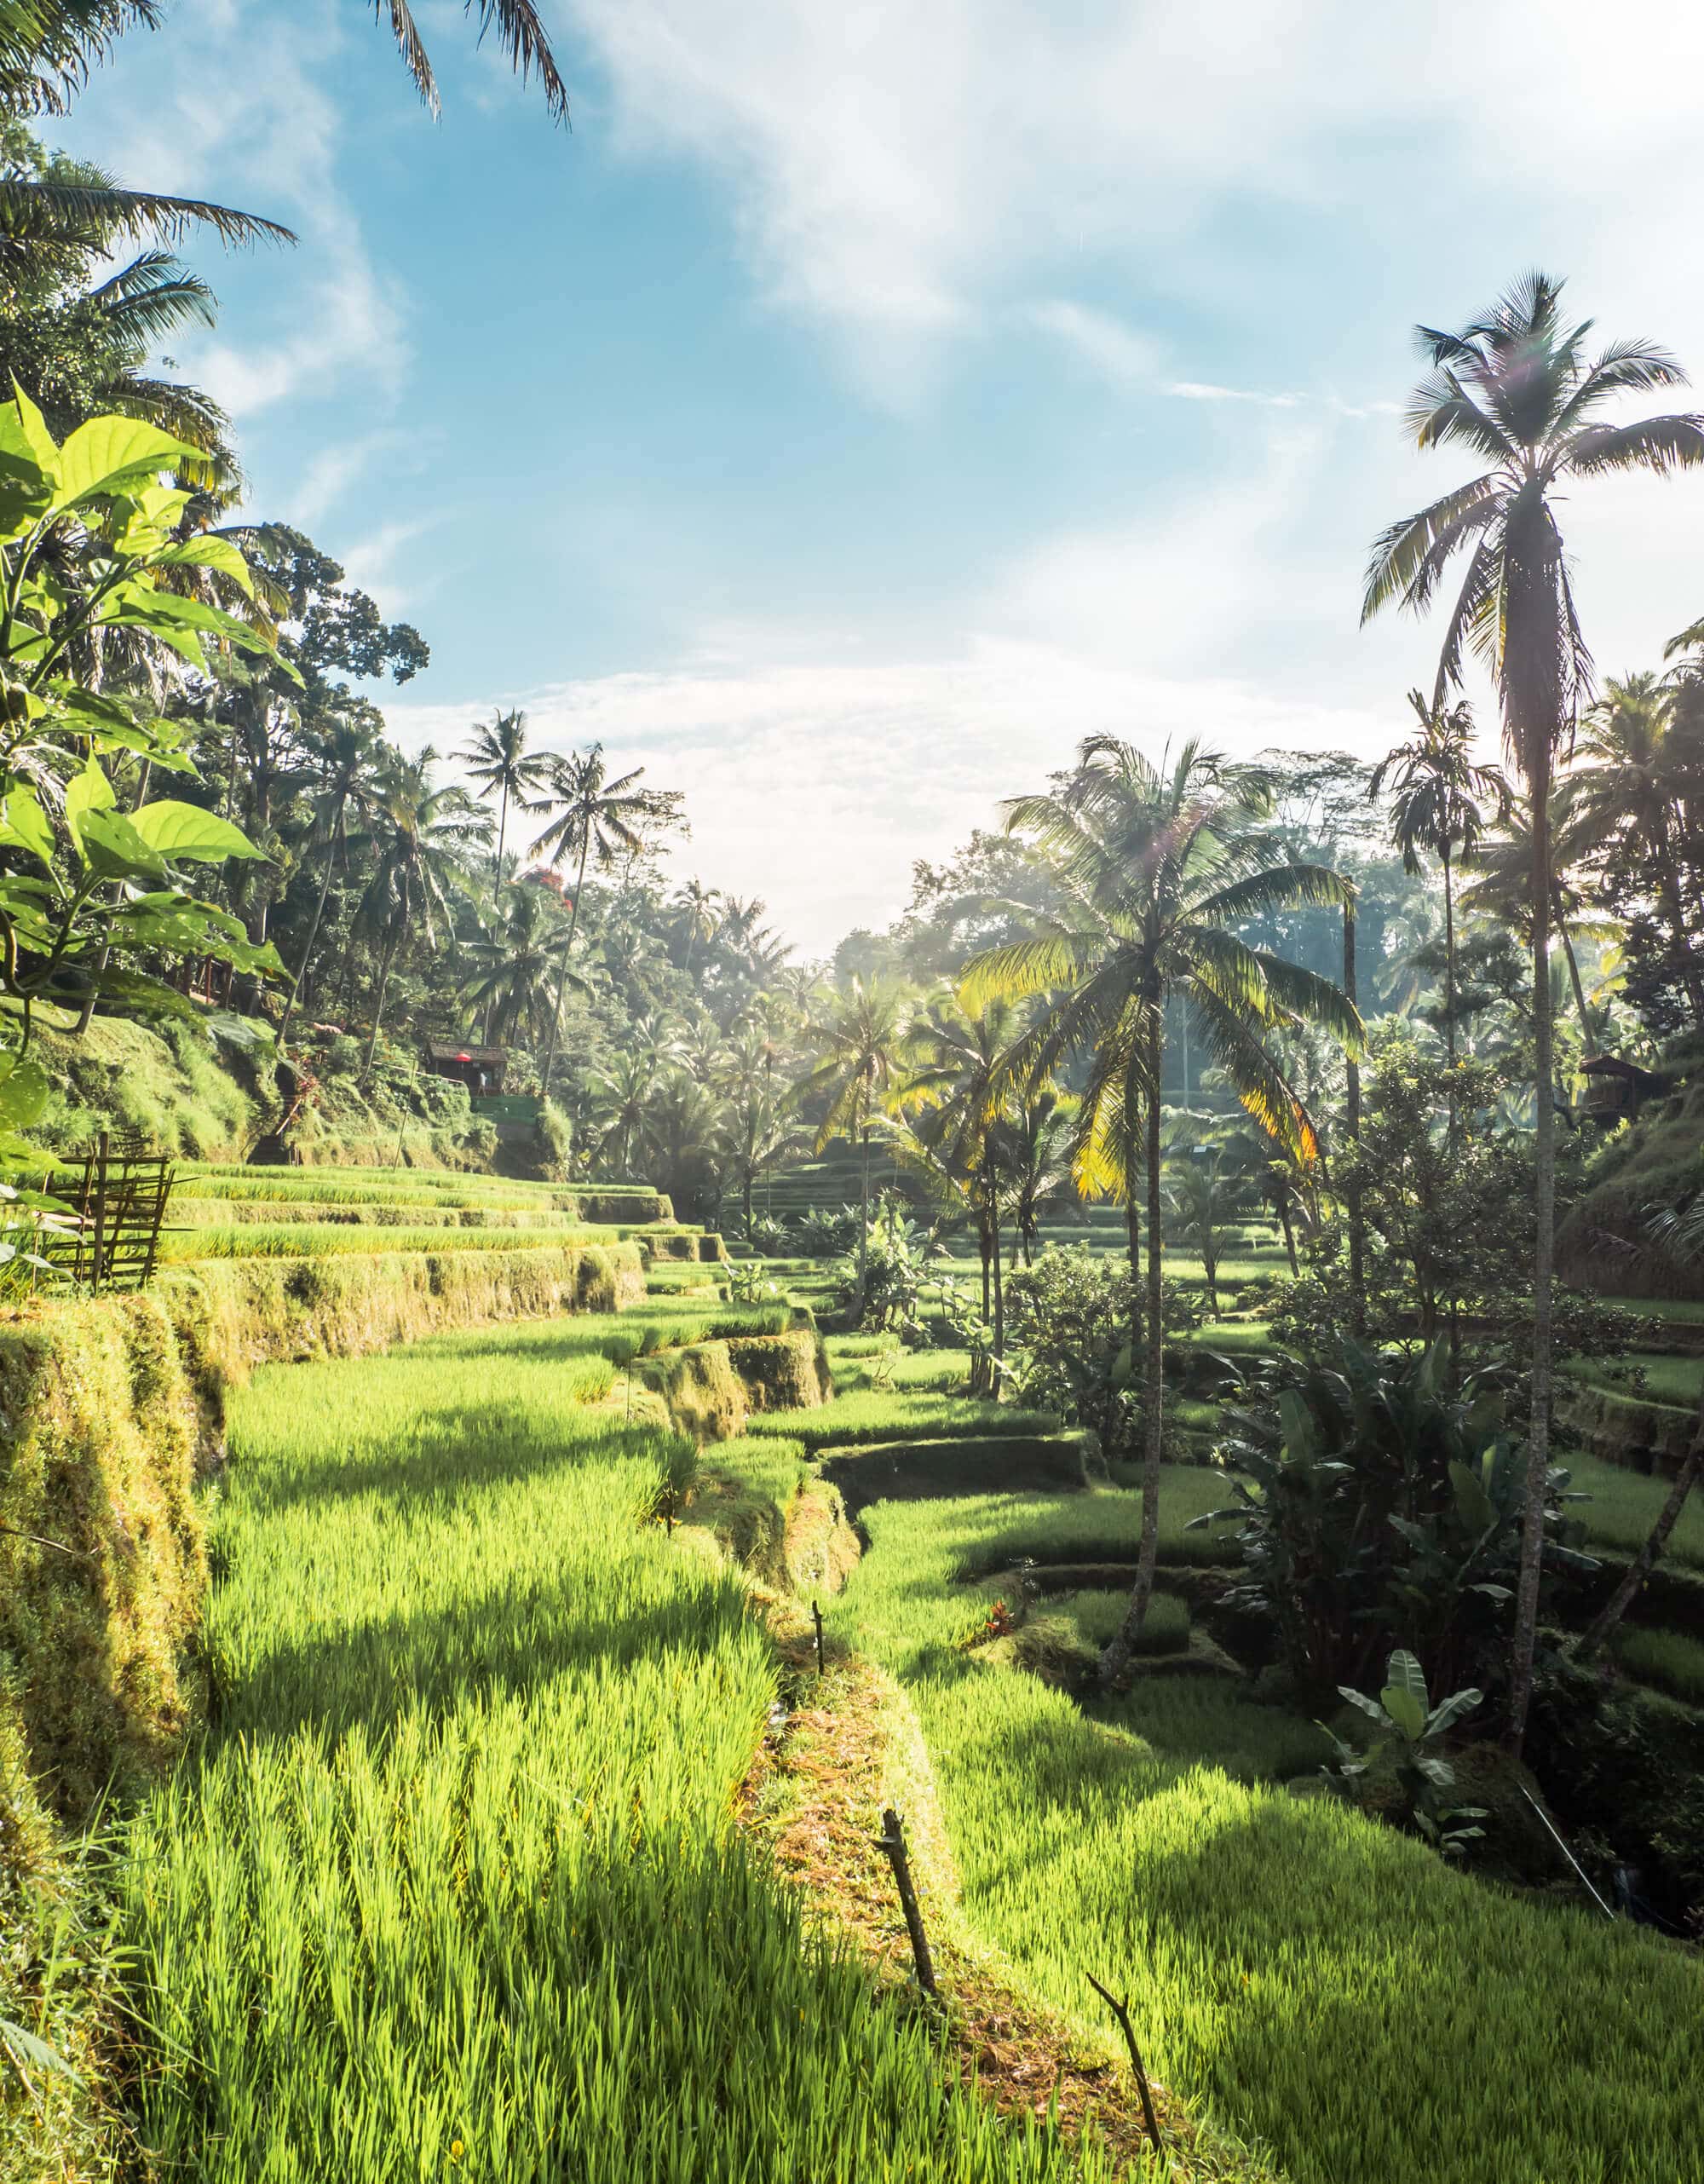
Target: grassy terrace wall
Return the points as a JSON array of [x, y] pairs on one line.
[[109, 1410]]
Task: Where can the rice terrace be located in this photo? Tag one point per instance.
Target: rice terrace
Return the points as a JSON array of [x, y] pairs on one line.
[[851, 1160]]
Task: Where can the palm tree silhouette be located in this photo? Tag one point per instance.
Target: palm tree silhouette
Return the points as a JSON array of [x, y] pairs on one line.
[[1517, 390]]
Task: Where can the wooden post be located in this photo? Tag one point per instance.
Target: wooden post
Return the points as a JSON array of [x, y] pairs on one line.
[[97, 1268], [1120, 2010], [816, 1617], [893, 1842]]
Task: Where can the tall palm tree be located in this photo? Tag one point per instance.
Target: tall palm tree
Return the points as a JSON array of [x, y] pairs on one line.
[[344, 756], [593, 813], [499, 764], [1155, 867], [1438, 804], [421, 836], [1518, 391], [1626, 789], [696, 909], [866, 1042], [1041, 1144]]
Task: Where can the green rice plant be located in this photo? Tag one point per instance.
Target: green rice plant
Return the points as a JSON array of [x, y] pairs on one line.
[[452, 1887], [1098, 1614], [1289, 1959], [309, 1240], [1625, 1505], [1667, 1658], [873, 1416]]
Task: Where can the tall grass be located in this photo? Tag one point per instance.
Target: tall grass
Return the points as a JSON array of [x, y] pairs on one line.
[[452, 1888], [1319, 1982], [1667, 1658], [1625, 1505]]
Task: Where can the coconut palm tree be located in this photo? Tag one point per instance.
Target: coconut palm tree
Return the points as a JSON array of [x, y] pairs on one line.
[[512, 980], [420, 836], [1040, 1141], [867, 1043], [1518, 391], [1155, 867], [499, 764], [1438, 805], [344, 757], [697, 909], [1625, 790], [962, 1071], [620, 1096], [594, 814]]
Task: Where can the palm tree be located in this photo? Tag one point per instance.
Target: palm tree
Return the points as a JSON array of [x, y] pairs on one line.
[[498, 764], [514, 975], [593, 813], [421, 839], [867, 1042], [621, 1096], [1438, 805], [46, 47], [1517, 390], [696, 908], [345, 754], [1626, 791], [520, 32], [962, 1070], [1155, 868], [1501, 888], [1040, 1140]]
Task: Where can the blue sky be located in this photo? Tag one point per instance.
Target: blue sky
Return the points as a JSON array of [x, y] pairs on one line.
[[863, 402]]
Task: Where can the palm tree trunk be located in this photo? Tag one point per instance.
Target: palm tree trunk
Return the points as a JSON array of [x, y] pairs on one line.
[[1592, 1640], [1284, 1223], [1449, 976], [1000, 1288], [1351, 1128], [1544, 1256], [864, 1220], [1572, 963], [562, 971], [1117, 1657], [313, 929], [379, 1004]]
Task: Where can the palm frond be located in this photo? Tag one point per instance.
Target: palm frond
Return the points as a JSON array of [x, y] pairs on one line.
[[1662, 445], [1401, 550]]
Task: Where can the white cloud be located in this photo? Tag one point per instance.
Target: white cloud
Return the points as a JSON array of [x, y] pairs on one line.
[[1202, 390], [887, 761]]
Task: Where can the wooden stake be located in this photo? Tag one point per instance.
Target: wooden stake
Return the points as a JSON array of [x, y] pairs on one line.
[[816, 1613], [1120, 2010], [892, 1841]]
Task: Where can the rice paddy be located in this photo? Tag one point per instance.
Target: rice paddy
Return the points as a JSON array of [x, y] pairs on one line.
[[453, 1886]]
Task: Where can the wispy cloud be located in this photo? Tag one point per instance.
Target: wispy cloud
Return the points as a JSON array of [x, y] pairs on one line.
[[253, 121], [1203, 390]]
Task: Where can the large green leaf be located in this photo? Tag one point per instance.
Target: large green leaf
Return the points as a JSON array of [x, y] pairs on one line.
[[111, 846], [1404, 1694], [110, 454], [217, 554], [24, 825], [24, 1090], [32, 429], [186, 833], [88, 791]]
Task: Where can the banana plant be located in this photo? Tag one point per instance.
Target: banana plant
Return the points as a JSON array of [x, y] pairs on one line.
[[1403, 1773]]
